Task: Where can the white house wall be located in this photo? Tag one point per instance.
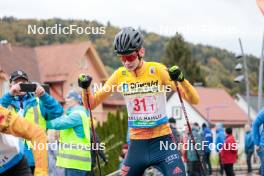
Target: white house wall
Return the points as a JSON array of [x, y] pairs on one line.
[[239, 133], [174, 102], [244, 106]]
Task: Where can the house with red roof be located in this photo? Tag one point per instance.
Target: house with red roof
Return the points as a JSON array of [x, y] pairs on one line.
[[59, 66], [215, 106]]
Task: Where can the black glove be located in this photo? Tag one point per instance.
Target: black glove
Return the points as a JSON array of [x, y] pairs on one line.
[[176, 74], [84, 81]]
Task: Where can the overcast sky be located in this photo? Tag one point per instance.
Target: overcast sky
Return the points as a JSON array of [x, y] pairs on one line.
[[215, 22]]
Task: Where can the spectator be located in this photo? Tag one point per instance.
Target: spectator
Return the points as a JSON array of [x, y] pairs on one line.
[[174, 130], [123, 154], [249, 146], [74, 154], [53, 138], [36, 107], [229, 153], [220, 138], [185, 141], [208, 137], [193, 163], [258, 134]]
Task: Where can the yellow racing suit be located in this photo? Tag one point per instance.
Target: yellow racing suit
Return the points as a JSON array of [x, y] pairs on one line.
[[12, 124], [144, 93]]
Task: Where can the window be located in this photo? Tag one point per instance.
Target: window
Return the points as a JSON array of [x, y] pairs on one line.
[[83, 64], [176, 112]]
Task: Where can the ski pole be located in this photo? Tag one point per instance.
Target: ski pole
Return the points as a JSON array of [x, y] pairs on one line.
[[189, 126], [87, 105]]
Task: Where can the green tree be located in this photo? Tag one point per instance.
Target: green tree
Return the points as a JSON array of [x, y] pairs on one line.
[[194, 59], [178, 53]]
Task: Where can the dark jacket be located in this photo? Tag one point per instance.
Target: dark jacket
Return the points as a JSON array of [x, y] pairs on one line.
[[176, 134]]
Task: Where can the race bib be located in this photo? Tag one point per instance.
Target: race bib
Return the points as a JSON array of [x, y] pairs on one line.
[[145, 105], [146, 111]]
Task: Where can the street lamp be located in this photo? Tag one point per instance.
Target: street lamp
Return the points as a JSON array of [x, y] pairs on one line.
[[239, 67], [260, 75], [240, 78]]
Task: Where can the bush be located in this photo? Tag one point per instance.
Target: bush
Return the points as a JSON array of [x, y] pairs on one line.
[[113, 133]]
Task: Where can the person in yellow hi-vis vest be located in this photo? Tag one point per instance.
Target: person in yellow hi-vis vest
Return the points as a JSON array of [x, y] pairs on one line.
[[12, 159], [75, 146], [36, 107]]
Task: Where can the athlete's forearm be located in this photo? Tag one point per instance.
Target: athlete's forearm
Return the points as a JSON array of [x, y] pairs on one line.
[[94, 100], [189, 92], [11, 123], [101, 94]]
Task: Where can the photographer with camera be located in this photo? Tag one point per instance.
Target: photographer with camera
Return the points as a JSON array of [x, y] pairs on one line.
[[31, 102]]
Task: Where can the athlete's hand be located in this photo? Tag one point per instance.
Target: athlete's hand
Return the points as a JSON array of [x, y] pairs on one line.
[[176, 74], [84, 81]]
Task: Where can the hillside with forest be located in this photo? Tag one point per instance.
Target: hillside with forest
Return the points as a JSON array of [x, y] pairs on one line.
[[212, 66]]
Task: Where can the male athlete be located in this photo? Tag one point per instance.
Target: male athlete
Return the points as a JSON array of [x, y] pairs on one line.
[[143, 85]]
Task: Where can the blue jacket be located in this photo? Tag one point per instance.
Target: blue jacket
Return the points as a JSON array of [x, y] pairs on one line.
[[257, 134], [249, 143], [49, 107], [67, 121], [220, 136], [208, 137]]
